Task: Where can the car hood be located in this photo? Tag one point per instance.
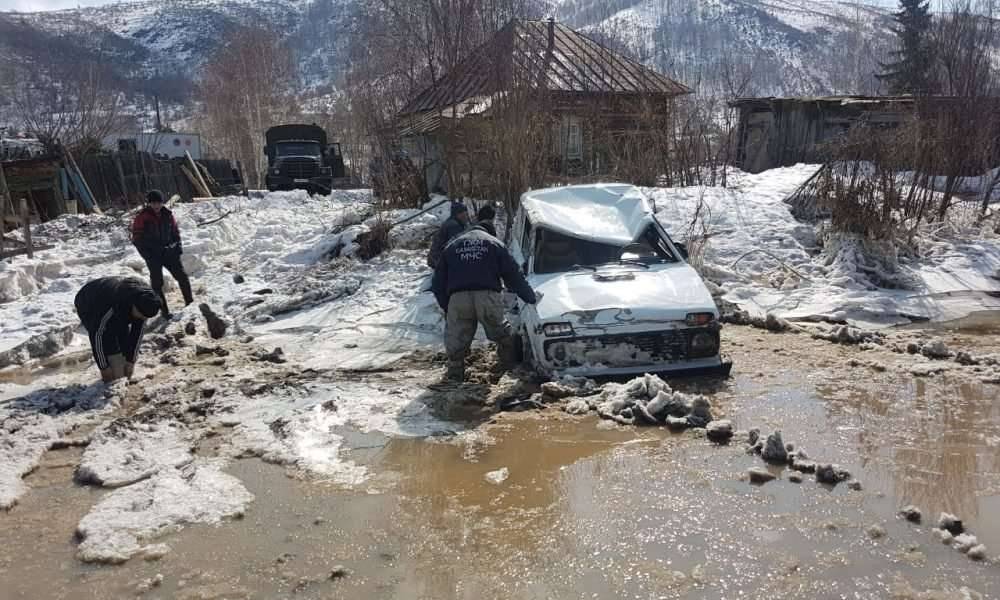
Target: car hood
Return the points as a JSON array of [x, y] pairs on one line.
[[622, 295]]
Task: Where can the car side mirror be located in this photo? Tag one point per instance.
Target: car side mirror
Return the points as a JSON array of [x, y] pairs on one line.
[[683, 249]]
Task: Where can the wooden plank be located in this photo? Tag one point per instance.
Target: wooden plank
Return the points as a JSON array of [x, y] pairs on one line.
[[197, 171], [194, 182], [20, 251], [89, 201], [26, 220]]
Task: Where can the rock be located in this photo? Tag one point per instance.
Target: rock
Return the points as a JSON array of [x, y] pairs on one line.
[[677, 422], [911, 513], [701, 412], [831, 474], [795, 478], [912, 348], [276, 356], [157, 580], [238, 279], [200, 350], [339, 572], [965, 542], [553, 390], [216, 326], [774, 323], [190, 328], [264, 291], [774, 449], [936, 349], [752, 436], [977, 552], [951, 524], [155, 552], [760, 476], [944, 536], [876, 532], [855, 485], [247, 339], [577, 407], [207, 392], [964, 358], [499, 476], [720, 431]]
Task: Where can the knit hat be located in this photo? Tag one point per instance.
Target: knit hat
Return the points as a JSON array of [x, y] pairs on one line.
[[458, 208], [486, 213], [154, 196], [147, 303]]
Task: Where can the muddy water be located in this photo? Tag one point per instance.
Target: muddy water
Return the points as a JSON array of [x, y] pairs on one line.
[[588, 512]]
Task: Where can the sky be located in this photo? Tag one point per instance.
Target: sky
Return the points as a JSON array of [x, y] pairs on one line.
[[37, 5]]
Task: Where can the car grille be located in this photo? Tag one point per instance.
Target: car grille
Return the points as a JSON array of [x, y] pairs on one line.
[[299, 168], [649, 348]]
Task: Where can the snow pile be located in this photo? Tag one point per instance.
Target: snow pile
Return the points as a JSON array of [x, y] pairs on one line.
[[32, 423], [124, 452], [120, 524], [645, 400], [768, 262]]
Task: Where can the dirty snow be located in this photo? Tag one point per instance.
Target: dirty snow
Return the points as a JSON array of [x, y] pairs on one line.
[[748, 226]]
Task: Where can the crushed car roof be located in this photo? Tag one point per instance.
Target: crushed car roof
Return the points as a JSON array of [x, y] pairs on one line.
[[612, 213]]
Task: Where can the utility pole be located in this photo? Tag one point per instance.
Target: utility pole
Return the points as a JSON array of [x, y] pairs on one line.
[[156, 103]]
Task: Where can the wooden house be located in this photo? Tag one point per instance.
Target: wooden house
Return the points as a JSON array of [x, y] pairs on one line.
[[587, 95]]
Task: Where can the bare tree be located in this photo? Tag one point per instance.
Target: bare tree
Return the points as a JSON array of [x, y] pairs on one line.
[[246, 87], [70, 104]]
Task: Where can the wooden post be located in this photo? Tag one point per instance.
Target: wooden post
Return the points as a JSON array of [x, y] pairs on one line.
[[83, 182], [197, 173], [26, 221], [121, 180], [3, 208]]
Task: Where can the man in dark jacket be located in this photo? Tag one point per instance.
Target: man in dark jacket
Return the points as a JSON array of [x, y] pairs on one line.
[[467, 285], [452, 226], [114, 310], [485, 217], [158, 240]]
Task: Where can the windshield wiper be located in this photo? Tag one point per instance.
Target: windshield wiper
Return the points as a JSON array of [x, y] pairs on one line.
[[578, 267], [633, 261]]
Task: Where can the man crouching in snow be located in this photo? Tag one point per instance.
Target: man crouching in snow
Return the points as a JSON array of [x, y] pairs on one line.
[[114, 310], [467, 285]]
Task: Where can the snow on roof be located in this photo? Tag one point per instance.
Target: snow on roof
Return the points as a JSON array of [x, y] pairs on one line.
[[612, 213]]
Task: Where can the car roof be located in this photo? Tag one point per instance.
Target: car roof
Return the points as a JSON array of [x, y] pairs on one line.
[[612, 213]]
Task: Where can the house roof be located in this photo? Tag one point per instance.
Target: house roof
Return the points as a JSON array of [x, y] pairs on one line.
[[612, 213], [543, 53]]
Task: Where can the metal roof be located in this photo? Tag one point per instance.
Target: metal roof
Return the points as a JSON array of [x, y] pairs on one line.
[[543, 54]]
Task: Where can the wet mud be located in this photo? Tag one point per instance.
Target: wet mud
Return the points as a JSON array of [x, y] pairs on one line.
[[588, 508]]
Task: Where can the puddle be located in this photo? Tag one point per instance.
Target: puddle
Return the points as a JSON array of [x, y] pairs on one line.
[[587, 511]]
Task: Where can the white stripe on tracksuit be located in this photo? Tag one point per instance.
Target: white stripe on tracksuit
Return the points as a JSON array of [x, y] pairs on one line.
[[102, 359]]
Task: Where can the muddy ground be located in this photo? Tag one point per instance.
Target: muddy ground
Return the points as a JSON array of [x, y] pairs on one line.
[[588, 508]]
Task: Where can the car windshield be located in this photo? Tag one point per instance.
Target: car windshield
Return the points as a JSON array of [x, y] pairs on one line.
[[298, 149], [557, 253]]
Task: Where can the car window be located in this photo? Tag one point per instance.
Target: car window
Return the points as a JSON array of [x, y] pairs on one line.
[[556, 253], [651, 247], [526, 238]]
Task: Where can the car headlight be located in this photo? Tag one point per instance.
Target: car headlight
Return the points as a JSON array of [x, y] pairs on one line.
[[557, 329], [704, 343], [702, 318], [326, 170], [275, 171]]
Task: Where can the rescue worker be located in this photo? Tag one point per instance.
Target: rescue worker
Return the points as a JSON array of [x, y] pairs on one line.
[[158, 240], [484, 218], [467, 284], [452, 226], [114, 310]]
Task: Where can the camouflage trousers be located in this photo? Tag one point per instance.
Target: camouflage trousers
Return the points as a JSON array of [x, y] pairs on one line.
[[466, 311]]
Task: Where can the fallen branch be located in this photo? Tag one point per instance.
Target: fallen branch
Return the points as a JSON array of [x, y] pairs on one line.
[[784, 264], [216, 220]]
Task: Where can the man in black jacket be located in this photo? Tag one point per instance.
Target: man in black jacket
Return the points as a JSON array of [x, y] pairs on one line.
[[467, 286], [485, 217], [114, 310], [158, 240], [452, 226]]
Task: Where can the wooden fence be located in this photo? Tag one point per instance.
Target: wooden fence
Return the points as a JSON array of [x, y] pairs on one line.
[[121, 179]]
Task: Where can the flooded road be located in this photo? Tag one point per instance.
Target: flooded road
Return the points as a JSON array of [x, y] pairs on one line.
[[589, 509]]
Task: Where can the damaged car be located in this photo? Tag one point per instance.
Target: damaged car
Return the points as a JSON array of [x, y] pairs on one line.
[[617, 295]]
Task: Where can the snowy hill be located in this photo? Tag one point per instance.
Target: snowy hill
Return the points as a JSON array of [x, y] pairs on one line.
[[790, 46]]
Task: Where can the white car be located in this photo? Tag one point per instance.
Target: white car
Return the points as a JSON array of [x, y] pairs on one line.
[[617, 297]]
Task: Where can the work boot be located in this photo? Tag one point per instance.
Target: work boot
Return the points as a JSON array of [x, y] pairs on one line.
[[506, 358], [455, 373]]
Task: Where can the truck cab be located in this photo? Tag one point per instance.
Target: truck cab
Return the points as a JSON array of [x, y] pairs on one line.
[[299, 157]]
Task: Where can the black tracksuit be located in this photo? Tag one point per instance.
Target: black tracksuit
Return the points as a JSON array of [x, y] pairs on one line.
[[158, 241], [105, 307], [475, 260]]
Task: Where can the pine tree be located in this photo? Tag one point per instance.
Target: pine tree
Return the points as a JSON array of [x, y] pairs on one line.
[[910, 70]]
